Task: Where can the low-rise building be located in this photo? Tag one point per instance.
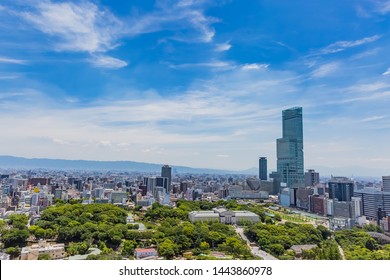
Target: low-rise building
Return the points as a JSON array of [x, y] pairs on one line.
[[203, 216], [224, 216], [142, 253], [55, 251]]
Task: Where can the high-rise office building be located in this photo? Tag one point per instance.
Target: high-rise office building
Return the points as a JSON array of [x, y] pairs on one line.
[[163, 183], [386, 183], [150, 183], [263, 168], [341, 188], [166, 171], [312, 178], [289, 149], [372, 201]]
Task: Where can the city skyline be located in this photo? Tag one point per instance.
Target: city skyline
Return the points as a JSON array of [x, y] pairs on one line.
[[195, 83]]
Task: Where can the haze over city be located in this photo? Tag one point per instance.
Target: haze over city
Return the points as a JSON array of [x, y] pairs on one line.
[[196, 83]]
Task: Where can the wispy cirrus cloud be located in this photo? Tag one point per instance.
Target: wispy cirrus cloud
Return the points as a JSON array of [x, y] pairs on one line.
[[387, 72], [383, 7], [186, 19], [211, 64], [107, 62], [254, 66], [343, 45], [12, 60], [77, 27], [325, 70], [373, 118]]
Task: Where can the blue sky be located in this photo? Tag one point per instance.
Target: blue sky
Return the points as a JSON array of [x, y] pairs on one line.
[[195, 82]]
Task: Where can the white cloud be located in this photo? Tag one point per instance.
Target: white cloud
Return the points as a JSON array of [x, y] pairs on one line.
[[343, 45], [237, 114], [187, 3], [223, 47], [254, 66], [368, 87], [78, 27], [325, 70], [383, 7], [211, 64], [12, 60], [185, 18], [107, 62], [387, 72], [373, 118]]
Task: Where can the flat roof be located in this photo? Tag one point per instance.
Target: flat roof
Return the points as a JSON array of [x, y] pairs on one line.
[[145, 250]]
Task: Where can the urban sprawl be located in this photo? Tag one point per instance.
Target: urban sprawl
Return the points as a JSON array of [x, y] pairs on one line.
[[288, 214]]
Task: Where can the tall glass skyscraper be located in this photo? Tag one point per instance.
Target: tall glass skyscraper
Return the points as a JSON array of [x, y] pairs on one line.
[[289, 149], [263, 168], [166, 171]]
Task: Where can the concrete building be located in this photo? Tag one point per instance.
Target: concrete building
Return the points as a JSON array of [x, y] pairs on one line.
[[357, 206], [372, 200], [163, 182], [342, 209], [330, 207], [150, 183], [142, 253], [337, 223], [237, 192], [312, 178], [39, 181], [118, 197], [55, 251], [302, 198], [386, 183], [319, 204], [203, 216], [223, 216]]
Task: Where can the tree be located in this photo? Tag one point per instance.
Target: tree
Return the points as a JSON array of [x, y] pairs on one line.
[[18, 221], [309, 254], [167, 248], [234, 246], [15, 237], [325, 233], [371, 244], [128, 247], [215, 238], [276, 249], [44, 256], [204, 247], [2, 226], [80, 248], [13, 252]]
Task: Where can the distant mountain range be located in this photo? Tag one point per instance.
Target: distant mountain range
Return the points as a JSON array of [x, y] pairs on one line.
[[133, 166], [129, 166]]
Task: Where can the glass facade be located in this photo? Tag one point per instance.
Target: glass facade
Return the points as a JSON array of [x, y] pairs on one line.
[[263, 168], [289, 149]]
